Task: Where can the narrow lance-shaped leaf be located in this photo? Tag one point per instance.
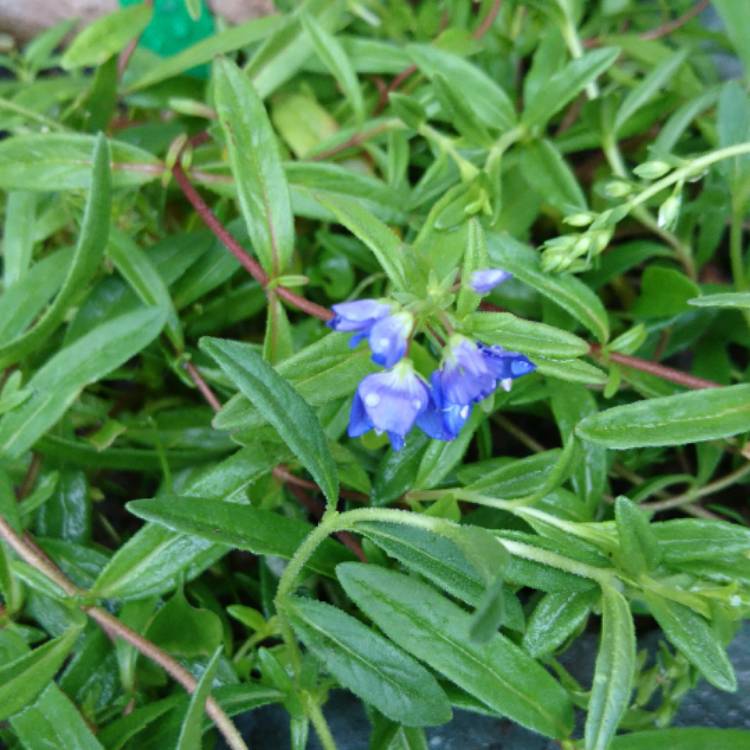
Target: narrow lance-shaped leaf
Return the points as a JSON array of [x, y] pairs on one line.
[[383, 243], [256, 165], [614, 671], [18, 235], [38, 161], [22, 679], [369, 665], [282, 406], [672, 420], [91, 243], [241, 526], [436, 630], [526, 336], [56, 385], [140, 273], [191, 731], [695, 638], [106, 36], [648, 87], [575, 297], [566, 84], [332, 54], [53, 721]]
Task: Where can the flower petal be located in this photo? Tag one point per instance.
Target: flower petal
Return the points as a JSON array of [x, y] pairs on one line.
[[388, 338], [359, 422], [485, 280]]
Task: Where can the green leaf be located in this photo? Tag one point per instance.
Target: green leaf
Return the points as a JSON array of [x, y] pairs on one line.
[[639, 549], [18, 235], [22, 679], [692, 738], [436, 631], [695, 638], [383, 243], [89, 250], [526, 336], [570, 404], [53, 721], [58, 383], [567, 291], [282, 406], [736, 17], [288, 47], [64, 161], [332, 54], [672, 420], [256, 165], [656, 79], [488, 100], [106, 36], [460, 112], [261, 532], [739, 300], [191, 732], [566, 84], [441, 561], [547, 173], [206, 50], [688, 539], [117, 733], [570, 370], [184, 630], [557, 617], [152, 560], [369, 665], [664, 292], [613, 673], [138, 270]]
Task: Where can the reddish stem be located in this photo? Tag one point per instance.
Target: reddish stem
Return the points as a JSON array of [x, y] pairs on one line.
[[203, 386], [127, 53], [654, 368], [489, 19], [663, 29], [234, 247]]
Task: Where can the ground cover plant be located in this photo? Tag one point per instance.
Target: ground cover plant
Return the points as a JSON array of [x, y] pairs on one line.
[[383, 346]]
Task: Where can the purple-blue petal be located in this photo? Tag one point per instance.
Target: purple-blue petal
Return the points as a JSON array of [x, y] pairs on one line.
[[359, 315], [485, 280], [359, 422], [388, 339], [504, 364], [465, 376], [392, 401]]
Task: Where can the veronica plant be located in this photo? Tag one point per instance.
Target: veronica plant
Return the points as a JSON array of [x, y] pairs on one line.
[[384, 347]]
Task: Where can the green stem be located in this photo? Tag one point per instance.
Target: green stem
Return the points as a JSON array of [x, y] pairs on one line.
[[689, 170], [315, 714], [570, 34], [617, 164], [603, 576]]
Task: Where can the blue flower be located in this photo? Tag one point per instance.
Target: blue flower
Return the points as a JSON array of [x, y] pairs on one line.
[[387, 331], [442, 420], [389, 402], [389, 337], [485, 280], [505, 366], [465, 376], [358, 317]]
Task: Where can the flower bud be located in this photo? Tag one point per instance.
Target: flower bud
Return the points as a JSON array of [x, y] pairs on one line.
[[652, 170]]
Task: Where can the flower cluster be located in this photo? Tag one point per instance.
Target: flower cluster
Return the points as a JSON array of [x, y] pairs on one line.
[[396, 400]]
